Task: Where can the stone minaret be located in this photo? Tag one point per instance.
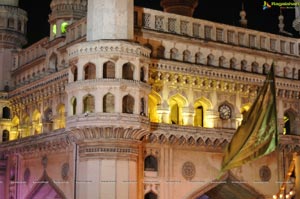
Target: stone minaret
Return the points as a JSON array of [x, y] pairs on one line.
[[63, 13], [296, 22], [12, 37], [107, 103], [181, 7]]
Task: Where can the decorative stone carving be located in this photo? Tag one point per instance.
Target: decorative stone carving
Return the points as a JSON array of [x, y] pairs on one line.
[[265, 173], [65, 171], [188, 170]]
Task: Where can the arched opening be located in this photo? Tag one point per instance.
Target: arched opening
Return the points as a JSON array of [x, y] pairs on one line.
[[154, 100], [6, 113], [75, 73], [210, 60], [232, 63], [265, 69], [186, 56], [127, 71], [109, 70], [289, 123], [293, 72], [222, 61], [48, 120], [54, 31], [63, 27], [143, 106], [150, 195], [61, 118], [25, 125], [173, 54], [11, 22], [53, 62], [74, 105], [88, 104], [254, 67], [128, 104], [198, 118], [142, 75], [176, 103], [36, 122], [244, 65], [147, 45], [198, 58], [48, 115], [161, 52], [151, 163], [201, 106], [5, 135], [89, 71], [109, 103]]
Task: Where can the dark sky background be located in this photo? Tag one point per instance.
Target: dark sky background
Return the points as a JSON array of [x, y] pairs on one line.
[[225, 11]]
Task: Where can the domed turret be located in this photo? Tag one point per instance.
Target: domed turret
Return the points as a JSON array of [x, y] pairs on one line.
[[63, 13], [181, 7]]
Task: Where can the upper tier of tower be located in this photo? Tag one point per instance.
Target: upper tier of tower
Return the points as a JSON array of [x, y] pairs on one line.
[[12, 24], [63, 13]]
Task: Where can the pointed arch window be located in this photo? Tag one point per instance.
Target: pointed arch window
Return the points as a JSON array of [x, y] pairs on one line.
[[232, 63], [128, 104], [210, 60], [109, 70], [289, 123], [186, 56], [142, 75], [53, 62], [88, 104], [6, 113], [198, 119], [174, 53], [75, 73], [198, 58], [74, 105], [244, 65], [5, 135], [222, 61], [161, 52], [89, 71], [128, 70], [109, 103]]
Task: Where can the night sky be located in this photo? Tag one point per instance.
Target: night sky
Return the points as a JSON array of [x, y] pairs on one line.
[[219, 11]]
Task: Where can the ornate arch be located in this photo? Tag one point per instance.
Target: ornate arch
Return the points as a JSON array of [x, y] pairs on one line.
[[37, 190], [154, 100], [201, 107]]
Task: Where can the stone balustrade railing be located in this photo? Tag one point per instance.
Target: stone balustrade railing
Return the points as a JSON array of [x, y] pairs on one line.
[[212, 31], [76, 30], [31, 53]]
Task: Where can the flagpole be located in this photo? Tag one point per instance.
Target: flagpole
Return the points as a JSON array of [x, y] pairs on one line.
[[297, 174]]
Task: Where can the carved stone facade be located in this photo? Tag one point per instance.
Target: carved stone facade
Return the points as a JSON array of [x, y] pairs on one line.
[[139, 114]]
